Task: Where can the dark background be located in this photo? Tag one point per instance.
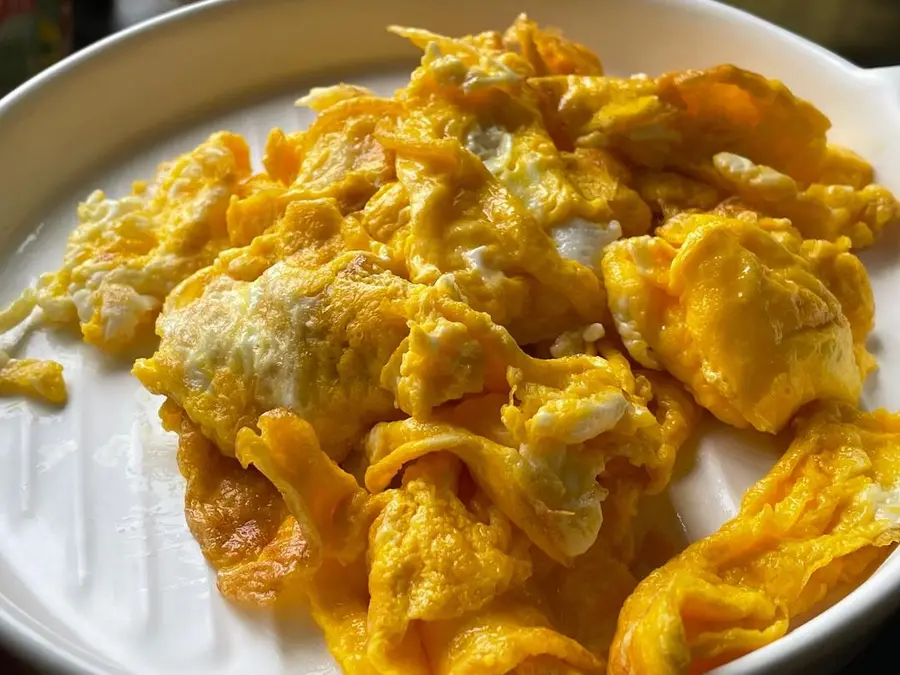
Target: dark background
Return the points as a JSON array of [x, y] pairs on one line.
[[866, 32]]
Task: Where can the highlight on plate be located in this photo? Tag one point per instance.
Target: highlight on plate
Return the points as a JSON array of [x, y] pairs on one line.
[[427, 364]]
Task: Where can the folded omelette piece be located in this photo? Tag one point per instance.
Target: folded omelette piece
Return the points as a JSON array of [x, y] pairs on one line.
[[833, 262], [310, 339], [442, 559], [544, 448], [823, 517], [239, 519], [688, 116], [737, 132], [476, 91], [562, 464], [548, 52], [469, 237], [740, 318], [338, 156], [485, 205], [264, 556], [435, 556], [512, 635], [454, 591]]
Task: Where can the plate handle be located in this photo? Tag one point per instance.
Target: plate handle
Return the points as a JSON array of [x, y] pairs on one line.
[[889, 76]]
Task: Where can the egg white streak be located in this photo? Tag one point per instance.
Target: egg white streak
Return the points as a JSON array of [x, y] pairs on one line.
[[253, 329], [886, 502], [493, 145], [583, 241], [579, 421], [594, 332], [475, 260], [742, 170]]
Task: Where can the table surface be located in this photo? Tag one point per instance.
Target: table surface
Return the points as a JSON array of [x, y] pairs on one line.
[[95, 19]]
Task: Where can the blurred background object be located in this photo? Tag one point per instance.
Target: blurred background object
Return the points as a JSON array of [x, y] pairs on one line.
[[862, 31], [33, 35], [37, 33]]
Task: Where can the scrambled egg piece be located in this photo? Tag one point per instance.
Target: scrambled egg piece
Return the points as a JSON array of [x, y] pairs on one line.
[[670, 193], [275, 324], [473, 556], [468, 236], [263, 554], [339, 155], [684, 118], [548, 52], [742, 320], [484, 196], [238, 518], [126, 255], [832, 262], [542, 449], [842, 166], [818, 211], [332, 511], [313, 340], [821, 519], [512, 635], [31, 377], [583, 601], [846, 277]]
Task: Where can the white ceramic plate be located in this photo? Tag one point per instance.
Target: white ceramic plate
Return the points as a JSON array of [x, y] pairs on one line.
[[97, 570]]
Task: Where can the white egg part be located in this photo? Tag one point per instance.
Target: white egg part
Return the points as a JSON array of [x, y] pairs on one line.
[[641, 251], [84, 304], [567, 344], [475, 260], [450, 69], [583, 241], [446, 284], [252, 330], [123, 317], [582, 495], [492, 145], [631, 337], [742, 170], [322, 98], [578, 421], [886, 502], [439, 333], [594, 332]]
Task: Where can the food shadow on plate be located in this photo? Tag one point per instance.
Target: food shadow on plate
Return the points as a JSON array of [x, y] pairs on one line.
[[714, 470], [300, 640], [881, 257]]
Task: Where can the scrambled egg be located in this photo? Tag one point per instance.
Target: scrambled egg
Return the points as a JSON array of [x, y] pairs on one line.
[[239, 519], [819, 211], [480, 557], [311, 339], [126, 255], [738, 317], [426, 365], [32, 377], [822, 518]]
